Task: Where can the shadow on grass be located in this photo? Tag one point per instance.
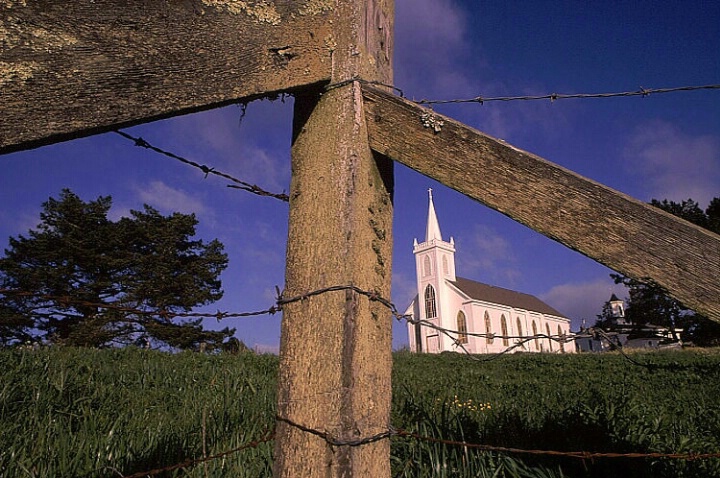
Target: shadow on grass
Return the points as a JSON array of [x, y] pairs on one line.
[[578, 429]]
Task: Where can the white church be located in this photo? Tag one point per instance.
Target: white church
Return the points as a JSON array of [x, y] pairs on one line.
[[505, 317]]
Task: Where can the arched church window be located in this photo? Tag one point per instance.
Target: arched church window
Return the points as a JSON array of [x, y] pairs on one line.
[[504, 330], [446, 268], [534, 329], [547, 329], [430, 305], [488, 328], [519, 327], [462, 328], [562, 342], [427, 267]]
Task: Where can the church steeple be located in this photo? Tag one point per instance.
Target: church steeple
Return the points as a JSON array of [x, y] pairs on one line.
[[433, 227], [434, 257]]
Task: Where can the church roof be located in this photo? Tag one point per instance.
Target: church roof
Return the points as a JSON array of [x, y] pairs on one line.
[[498, 295]]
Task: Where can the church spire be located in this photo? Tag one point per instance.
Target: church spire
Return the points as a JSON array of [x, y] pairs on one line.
[[433, 228]]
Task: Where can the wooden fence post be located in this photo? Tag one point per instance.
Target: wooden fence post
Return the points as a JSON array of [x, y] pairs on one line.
[[335, 352]]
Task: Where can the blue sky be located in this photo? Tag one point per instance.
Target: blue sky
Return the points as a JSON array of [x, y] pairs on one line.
[[660, 146]]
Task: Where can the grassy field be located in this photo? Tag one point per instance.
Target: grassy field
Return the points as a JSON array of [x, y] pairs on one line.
[[85, 413]]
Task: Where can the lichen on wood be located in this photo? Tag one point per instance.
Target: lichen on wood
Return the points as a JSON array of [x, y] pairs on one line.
[[23, 71], [263, 12], [315, 7], [15, 32], [13, 3]]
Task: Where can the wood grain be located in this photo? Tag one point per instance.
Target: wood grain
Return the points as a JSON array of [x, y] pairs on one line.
[[69, 69]]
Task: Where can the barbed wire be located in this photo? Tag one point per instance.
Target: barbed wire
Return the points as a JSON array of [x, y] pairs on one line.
[[255, 189], [520, 340], [402, 433], [563, 96], [239, 184], [616, 345], [281, 300], [66, 301], [392, 432], [584, 455], [594, 333], [330, 440], [550, 96]]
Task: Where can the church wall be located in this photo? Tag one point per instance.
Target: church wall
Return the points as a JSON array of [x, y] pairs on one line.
[[474, 311], [476, 324], [534, 327], [452, 305]]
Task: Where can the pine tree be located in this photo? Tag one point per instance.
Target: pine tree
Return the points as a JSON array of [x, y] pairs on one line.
[[81, 279]]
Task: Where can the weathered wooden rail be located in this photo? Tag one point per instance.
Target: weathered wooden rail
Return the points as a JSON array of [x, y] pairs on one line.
[[71, 69]]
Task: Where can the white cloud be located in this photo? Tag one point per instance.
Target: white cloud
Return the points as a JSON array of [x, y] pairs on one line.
[[268, 255], [435, 28], [432, 50], [582, 300], [262, 167], [167, 199], [673, 164], [489, 256], [438, 56]]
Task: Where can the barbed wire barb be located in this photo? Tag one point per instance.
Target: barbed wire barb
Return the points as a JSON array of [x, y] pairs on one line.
[[207, 170]]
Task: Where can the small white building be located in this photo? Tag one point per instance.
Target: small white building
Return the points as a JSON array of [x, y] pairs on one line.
[[505, 318], [619, 332]]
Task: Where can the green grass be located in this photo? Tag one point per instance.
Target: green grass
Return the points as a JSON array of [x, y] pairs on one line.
[[72, 412], [598, 403], [83, 413]]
